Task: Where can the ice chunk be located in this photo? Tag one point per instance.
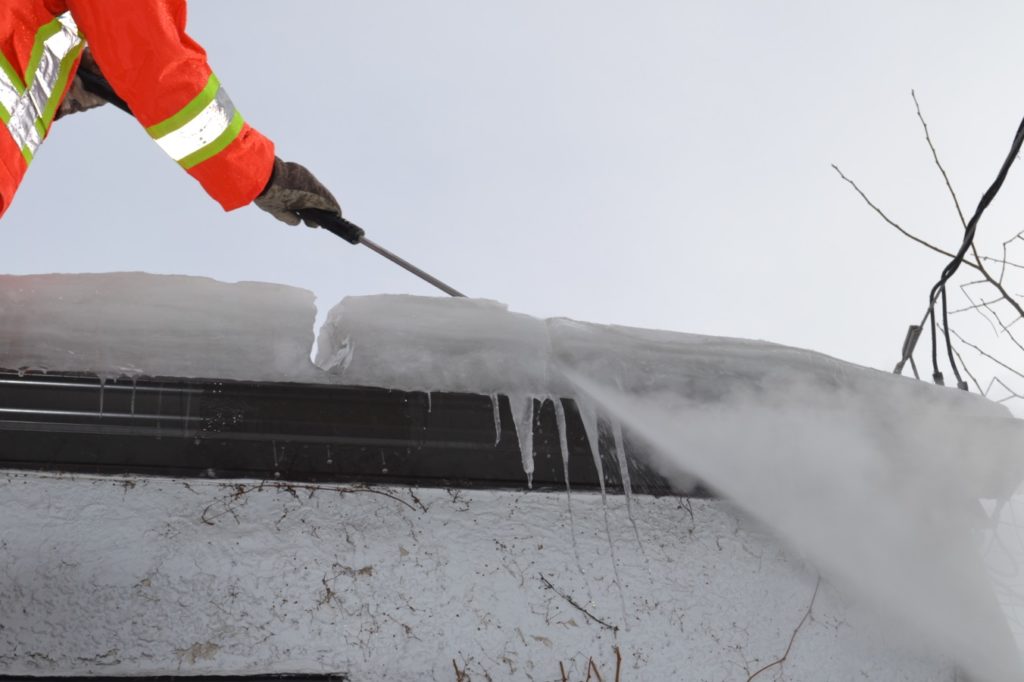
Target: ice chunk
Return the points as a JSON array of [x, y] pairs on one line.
[[159, 325], [421, 344]]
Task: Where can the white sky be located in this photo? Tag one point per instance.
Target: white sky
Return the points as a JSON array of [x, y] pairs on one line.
[[661, 164]]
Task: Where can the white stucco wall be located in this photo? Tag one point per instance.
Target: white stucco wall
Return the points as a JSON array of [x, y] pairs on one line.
[[123, 576]]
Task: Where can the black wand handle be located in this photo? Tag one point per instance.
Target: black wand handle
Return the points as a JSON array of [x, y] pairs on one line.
[[335, 224]]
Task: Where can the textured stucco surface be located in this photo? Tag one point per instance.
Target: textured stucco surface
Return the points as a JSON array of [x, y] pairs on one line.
[[155, 576]]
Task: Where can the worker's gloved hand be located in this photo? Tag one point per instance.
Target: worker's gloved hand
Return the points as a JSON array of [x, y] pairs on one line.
[[78, 98], [291, 189]]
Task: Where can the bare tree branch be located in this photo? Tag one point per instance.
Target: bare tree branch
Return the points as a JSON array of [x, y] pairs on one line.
[[974, 306], [935, 156], [984, 354], [575, 604], [893, 223], [1011, 394], [1005, 246], [792, 638], [1003, 262], [998, 285], [978, 306], [1005, 327]]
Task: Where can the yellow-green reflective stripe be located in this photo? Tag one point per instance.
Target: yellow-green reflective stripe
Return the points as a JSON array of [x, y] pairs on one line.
[[217, 146], [11, 74], [188, 112]]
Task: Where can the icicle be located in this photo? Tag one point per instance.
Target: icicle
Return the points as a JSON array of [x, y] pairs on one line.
[[103, 386], [588, 414], [627, 485], [563, 442], [523, 413], [430, 402], [188, 414], [159, 411], [496, 407], [135, 381]]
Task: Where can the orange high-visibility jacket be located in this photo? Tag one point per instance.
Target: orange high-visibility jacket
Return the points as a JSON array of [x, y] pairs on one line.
[[142, 49]]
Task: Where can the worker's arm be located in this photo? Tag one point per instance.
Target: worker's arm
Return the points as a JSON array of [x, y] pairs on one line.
[[142, 50]]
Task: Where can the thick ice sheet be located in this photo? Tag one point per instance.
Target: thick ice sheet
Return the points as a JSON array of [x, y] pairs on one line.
[[158, 325], [479, 346]]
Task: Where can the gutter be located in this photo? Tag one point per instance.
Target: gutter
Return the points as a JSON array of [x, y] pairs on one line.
[[206, 428]]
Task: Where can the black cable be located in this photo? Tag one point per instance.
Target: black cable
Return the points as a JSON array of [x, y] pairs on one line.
[[939, 290], [960, 383], [936, 374]]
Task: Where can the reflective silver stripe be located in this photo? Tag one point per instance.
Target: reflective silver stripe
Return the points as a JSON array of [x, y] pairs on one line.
[[22, 125], [9, 94], [27, 108], [204, 128]]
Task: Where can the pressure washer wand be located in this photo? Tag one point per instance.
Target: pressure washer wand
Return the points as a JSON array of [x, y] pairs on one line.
[[349, 231], [354, 234]]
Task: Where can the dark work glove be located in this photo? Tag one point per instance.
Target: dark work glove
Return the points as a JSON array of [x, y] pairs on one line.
[[78, 98], [291, 189]]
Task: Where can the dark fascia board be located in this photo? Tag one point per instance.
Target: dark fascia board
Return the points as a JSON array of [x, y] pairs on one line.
[[203, 428]]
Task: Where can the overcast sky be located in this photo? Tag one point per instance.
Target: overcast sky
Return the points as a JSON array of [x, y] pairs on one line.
[[661, 164]]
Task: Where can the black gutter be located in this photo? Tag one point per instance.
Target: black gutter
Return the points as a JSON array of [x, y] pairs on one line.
[[201, 428]]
